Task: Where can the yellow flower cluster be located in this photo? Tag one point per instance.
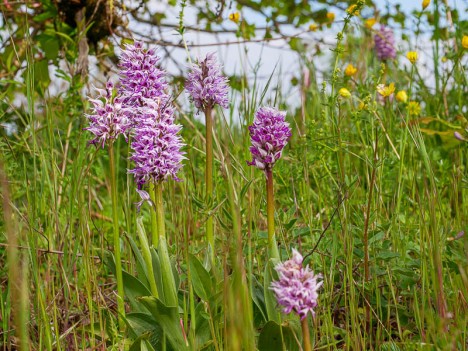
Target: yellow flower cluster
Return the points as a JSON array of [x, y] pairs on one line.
[[385, 90], [401, 96], [234, 17], [465, 41], [313, 27], [344, 93], [350, 70], [369, 23], [330, 16], [352, 10], [413, 108], [412, 56], [425, 4]]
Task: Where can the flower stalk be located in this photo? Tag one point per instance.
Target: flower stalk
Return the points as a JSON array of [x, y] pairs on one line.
[[208, 87], [209, 176], [272, 247], [154, 219], [116, 237], [159, 209], [269, 134], [306, 335]]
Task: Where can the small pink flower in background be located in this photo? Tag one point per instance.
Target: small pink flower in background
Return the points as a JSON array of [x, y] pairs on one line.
[[385, 44], [458, 136], [297, 287]]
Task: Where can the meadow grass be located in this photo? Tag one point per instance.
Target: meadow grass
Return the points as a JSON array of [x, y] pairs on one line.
[[372, 196]]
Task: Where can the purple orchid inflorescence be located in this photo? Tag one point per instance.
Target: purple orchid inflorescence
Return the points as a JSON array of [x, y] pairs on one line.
[[140, 78], [269, 134], [206, 85], [108, 118], [385, 43], [156, 143], [296, 289]]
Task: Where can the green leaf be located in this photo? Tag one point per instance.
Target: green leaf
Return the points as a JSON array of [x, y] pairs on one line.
[[270, 299], [50, 45], [168, 319], [296, 44], [201, 279], [44, 16], [41, 74], [142, 343], [387, 255], [167, 277], [143, 324], [258, 297], [140, 262], [273, 336], [377, 237], [157, 273], [109, 261], [139, 322], [134, 289], [203, 331], [145, 258], [245, 188]]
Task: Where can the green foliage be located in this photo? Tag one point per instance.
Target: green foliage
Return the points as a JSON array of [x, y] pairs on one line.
[[397, 184]]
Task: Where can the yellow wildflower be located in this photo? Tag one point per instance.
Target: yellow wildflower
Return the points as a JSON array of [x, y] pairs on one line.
[[412, 56], [465, 41], [413, 108], [386, 91], [350, 70], [444, 59], [369, 23], [401, 96], [330, 16], [352, 10], [362, 106], [344, 93], [234, 17], [425, 4], [313, 27]]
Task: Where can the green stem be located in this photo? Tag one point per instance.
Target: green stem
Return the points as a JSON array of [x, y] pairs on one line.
[[306, 335], [115, 220], [158, 202], [154, 218], [403, 146], [209, 175], [272, 248]]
